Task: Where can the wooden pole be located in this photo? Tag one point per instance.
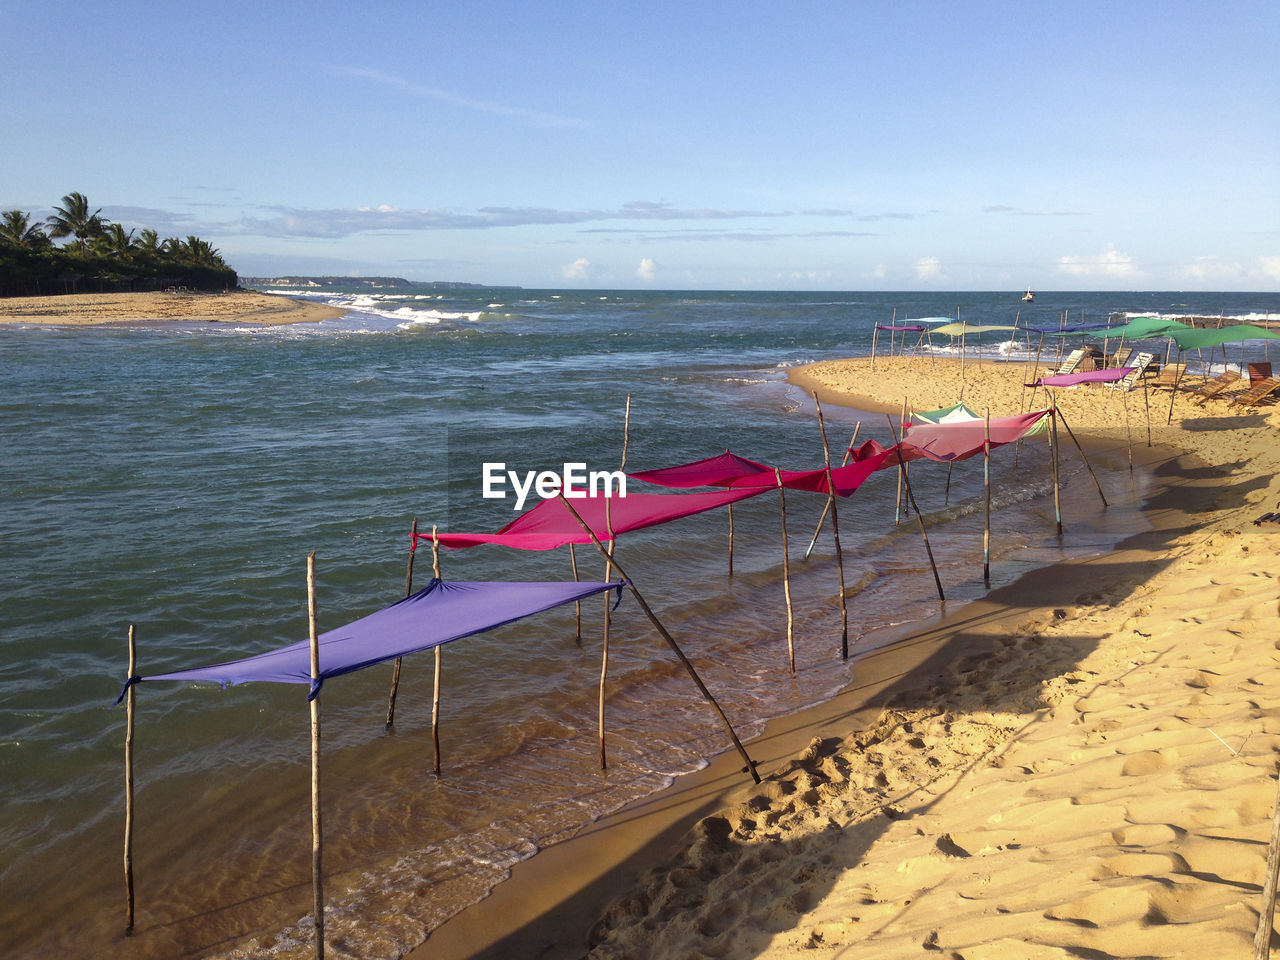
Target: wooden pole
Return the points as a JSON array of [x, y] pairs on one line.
[[435, 685], [823, 519], [1266, 916], [1053, 460], [1173, 394], [608, 616], [128, 786], [577, 604], [662, 631], [786, 575], [317, 835], [986, 489], [1128, 432], [919, 518], [626, 433], [1146, 402], [835, 531], [902, 471], [731, 539], [408, 589], [1083, 457], [875, 335]]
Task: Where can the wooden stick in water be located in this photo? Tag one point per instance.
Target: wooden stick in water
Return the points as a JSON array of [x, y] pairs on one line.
[[435, 687], [1053, 460], [1085, 459], [835, 531], [317, 833], [608, 616], [577, 604], [823, 519], [408, 589], [670, 641], [128, 786], [902, 470], [923, 533], [786, 575], [731, 539], [986, 490]]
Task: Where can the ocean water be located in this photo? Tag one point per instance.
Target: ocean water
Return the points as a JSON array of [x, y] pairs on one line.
[[177, 478]]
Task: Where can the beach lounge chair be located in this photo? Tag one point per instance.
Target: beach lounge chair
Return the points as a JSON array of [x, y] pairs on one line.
[[1259, 393], [1121, 357], [1139, 365], [1216, 386], [1171, 376], [1071, 364], [1259, 371]]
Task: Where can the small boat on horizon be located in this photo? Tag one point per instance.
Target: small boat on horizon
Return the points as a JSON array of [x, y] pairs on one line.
[[1029, 296]]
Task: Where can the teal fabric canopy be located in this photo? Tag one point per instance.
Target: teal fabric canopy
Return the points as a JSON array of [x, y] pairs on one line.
[[1140, 328], [1192, 338]]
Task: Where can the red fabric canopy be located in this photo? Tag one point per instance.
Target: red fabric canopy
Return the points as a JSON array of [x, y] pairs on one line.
[[711, 472], [963, 439], [550, 524]]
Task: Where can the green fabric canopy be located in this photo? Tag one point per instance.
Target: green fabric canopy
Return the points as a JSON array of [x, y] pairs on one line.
[[1140, 328], [956, 329], [1192, 338]]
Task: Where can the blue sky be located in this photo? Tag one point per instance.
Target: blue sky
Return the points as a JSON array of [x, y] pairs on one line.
[[801, 145]]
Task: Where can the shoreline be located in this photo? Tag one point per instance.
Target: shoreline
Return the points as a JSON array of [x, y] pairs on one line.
[[115, 309], [680, 866]]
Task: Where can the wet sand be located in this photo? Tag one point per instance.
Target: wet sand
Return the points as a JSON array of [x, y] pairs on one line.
[[91, 309], [1080, 763]]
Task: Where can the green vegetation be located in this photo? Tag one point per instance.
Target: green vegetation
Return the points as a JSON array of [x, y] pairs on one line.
[[99, 255]]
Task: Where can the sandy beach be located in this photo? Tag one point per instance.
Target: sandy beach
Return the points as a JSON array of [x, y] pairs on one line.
[[88, 309], [1081, 764]]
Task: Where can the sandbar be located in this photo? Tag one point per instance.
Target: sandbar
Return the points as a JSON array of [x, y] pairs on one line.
[[94, 309]]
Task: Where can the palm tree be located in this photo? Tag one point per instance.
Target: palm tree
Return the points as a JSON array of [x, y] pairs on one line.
[[116, 243], [74, 219], [149, 243], [16, 228]]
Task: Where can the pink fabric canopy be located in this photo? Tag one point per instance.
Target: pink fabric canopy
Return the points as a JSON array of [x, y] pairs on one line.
[[550, 524], [963, 439], [711, 472], [1090, 376]]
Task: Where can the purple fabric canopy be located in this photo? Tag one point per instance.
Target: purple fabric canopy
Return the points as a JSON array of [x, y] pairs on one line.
[[435, 615], [906, 328], [1091, 376]]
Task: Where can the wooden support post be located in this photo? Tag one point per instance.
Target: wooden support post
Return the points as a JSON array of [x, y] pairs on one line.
[[786, 575], [731, 539], [317, 834], [986, 490], [1146, 403], [626, 433], [1128, 432], [902, 469], [608, 616], [408, 589], [835, 531], [1173, 394], [847, 454], [1085, 458], [435, 686], [577, 604], [128, 785], [923, 533], [1266, 916], [670, 641], [1053, 461], [875, 335]]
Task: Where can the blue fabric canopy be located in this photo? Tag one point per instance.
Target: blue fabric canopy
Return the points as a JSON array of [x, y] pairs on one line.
[[440, 612]]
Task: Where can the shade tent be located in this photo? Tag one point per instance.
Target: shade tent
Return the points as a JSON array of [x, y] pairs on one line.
[[1092, 376], [950, 442], [711, 472], [550, 524], [437, 614], [1142, 328], [902, 328], [945, 415], [1194, 338], [957, 329]]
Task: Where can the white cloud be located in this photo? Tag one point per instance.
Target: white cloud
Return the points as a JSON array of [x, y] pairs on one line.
[[576, 270], [646, 269], [1210, 270], [1270, 267], [880, 271], [929, 268], [1111, 264]]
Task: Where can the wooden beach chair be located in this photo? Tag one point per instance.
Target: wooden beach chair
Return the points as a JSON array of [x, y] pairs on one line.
[[1216, 386], [1139, 364], [1259, 393], [1071, 364], [1121, 357], [1259, 371], [1171, 376]]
